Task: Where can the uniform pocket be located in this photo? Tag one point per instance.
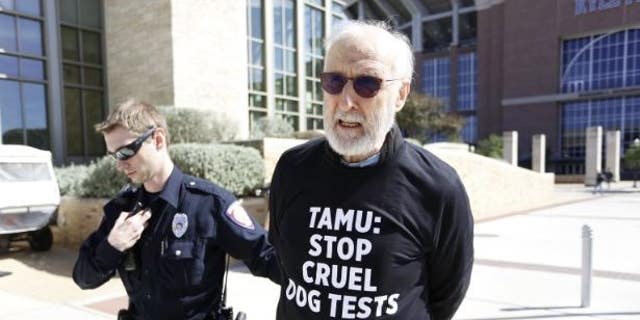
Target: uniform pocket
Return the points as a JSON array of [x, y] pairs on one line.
[[176, 263]]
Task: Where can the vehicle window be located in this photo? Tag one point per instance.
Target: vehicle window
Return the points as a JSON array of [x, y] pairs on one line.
[[24, 172]]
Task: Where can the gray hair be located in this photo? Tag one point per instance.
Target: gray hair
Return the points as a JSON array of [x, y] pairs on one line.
[[404, 60]]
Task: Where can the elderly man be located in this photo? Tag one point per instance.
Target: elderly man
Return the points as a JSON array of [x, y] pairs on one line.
[[366, 225]]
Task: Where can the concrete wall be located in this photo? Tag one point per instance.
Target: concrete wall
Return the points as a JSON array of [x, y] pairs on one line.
[[183, 53], [495, 187], [139, 51], [210, 57]]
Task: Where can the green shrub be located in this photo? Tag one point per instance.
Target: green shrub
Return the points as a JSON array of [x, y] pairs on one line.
[[103, 179], [275, 127], [490, 147], [70, 179], [424, 118], [235, 168], [198, 126]]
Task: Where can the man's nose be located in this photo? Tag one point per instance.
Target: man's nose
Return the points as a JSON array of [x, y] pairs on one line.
[[347, 97]]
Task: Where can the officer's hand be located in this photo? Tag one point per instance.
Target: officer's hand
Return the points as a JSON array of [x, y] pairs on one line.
[[127, 231]]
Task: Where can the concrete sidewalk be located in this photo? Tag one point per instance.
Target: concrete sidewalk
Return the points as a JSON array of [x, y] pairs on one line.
[[527, 267]]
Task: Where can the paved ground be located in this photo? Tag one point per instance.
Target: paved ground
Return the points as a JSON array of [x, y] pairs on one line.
[[527, 267]]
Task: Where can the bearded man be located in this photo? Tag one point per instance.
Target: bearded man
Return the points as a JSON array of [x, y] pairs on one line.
[[366, 225]]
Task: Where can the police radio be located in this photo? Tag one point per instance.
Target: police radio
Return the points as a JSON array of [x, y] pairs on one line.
[[130, 259]]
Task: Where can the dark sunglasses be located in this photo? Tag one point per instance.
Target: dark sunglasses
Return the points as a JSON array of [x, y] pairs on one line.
[[130, 150], [364, 86]]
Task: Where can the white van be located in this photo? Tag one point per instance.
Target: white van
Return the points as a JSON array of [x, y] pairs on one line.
[[29, 196]]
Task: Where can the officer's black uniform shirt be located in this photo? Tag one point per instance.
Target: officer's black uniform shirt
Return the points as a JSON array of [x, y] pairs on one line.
[[177, 276], [389, 241]]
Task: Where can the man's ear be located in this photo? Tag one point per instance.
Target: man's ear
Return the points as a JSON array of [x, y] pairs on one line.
[[160, 138], [403, 95]]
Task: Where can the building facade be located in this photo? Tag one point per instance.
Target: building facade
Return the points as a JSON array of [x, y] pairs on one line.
[[547, 66], [544, 66], [52, 76]]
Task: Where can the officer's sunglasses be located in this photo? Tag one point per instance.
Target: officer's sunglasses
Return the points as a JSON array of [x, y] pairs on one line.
[[130, 150], [364, 86]]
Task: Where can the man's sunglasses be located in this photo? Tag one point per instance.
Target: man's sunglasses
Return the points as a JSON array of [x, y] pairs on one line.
[[130, 150], [364, 86]]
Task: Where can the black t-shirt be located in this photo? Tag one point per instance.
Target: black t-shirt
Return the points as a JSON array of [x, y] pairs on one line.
[[388, 241]]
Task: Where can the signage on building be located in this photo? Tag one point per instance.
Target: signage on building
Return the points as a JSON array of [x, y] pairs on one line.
[[588, 6]]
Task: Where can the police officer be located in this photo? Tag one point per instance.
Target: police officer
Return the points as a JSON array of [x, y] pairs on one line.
[[167, 238]]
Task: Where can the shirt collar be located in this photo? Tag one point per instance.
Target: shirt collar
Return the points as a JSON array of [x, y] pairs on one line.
[[364, 163], [171, 189]]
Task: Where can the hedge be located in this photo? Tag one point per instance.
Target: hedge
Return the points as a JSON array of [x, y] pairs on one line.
[[235, 168]]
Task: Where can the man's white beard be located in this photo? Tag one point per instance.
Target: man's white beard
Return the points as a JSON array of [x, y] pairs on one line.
[[375, 131]]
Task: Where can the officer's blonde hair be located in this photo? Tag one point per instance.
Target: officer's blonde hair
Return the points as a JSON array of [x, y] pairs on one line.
[[135, 116]]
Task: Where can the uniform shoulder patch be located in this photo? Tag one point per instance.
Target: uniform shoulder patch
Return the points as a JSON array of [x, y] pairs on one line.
[[239, 216]]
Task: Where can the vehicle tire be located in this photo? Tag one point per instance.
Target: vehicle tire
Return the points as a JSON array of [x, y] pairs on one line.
[[41, 240]]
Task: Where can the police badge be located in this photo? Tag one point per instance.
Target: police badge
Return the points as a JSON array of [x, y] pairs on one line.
[[179, 224]]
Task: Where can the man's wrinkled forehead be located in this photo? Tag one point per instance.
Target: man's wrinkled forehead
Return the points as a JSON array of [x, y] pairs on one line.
[[354, 50]]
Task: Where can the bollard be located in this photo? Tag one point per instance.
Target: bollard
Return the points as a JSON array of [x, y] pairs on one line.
[[587, 266]]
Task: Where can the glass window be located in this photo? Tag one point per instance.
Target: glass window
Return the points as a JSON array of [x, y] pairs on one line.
[[279, 59], [257, 56], [468, 23], [316, 2], [73, 122], [35, 111], [598, 62], [69, 11], [11, 112], [93, 113], [9, 65], [71, 73], [30, 36], [91, 47], [436, 6], [437, 34], [338, 14], [31, 7], [257, 79], [292, 86], [70, 50], [92, 76], [290, 23], [32, 69], [277, 21], [279, 83], [612, 114], [8, 33], [608, 56], [290, 59], [436, 79], [576, 60], [467, 81], [6, 5], [256, 19], [633, 58], [90, 12]]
